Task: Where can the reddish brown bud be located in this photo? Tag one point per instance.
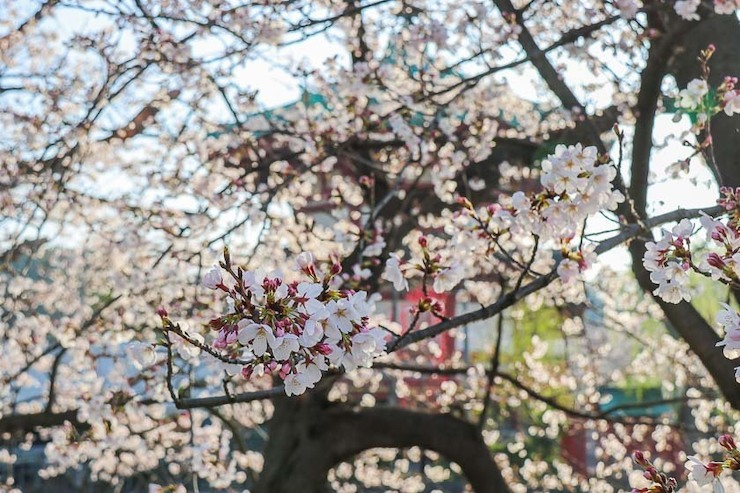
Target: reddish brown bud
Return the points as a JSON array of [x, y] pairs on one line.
[[464, 202], [639, 457], [727, 442], [323, 348]]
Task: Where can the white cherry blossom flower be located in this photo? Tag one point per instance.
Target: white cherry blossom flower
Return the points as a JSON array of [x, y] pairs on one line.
[[256, 335], [729, 319], [568, 270], [213, 278], [304, 261], [341, 315], [446, 279], [394, 274], [687, 9], [142, 354], [691, 97], [294, 384], [283, 346], [628, 8], [732, 102], [698, 471]]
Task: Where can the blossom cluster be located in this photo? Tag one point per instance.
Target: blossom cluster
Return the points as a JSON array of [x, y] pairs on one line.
[[699, 471], [702, 102], [296, 329], [729, 320], [687, 9], [670, 261], [576, 183], [628, 8]]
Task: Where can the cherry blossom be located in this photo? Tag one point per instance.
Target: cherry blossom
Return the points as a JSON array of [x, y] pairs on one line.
[[726, 7], [134, 148], [297, 328], [692, 96], [628, 8], [668, 262], [732, 102], [687, 9], [698, 471], [394, 274], [729, 320], [212, 279]]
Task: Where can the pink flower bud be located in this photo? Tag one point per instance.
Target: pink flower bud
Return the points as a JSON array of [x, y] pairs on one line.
[[423, 242], [231, 337], [464, 202], [161, 312], [639, 457], [284, 370], [727, 442], [715, 260], [323, 348], [247, 372], [438, 307], [220, 342], [719, 235]]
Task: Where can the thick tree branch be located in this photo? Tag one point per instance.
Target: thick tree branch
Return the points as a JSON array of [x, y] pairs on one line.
[[555, 404], [14, 423], [552, 78], [457, 440], [220, 400], [509, 299], [566, 39]]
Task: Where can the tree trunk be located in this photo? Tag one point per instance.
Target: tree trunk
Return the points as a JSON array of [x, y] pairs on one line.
[[295, 457], [724, 32], [454, 438], [309, 436], [677, 56]]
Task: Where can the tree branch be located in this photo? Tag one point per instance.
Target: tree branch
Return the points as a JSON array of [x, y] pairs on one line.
[[457, 440]]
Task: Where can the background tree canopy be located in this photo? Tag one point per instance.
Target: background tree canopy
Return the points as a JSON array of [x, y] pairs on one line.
[[488, 173]]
